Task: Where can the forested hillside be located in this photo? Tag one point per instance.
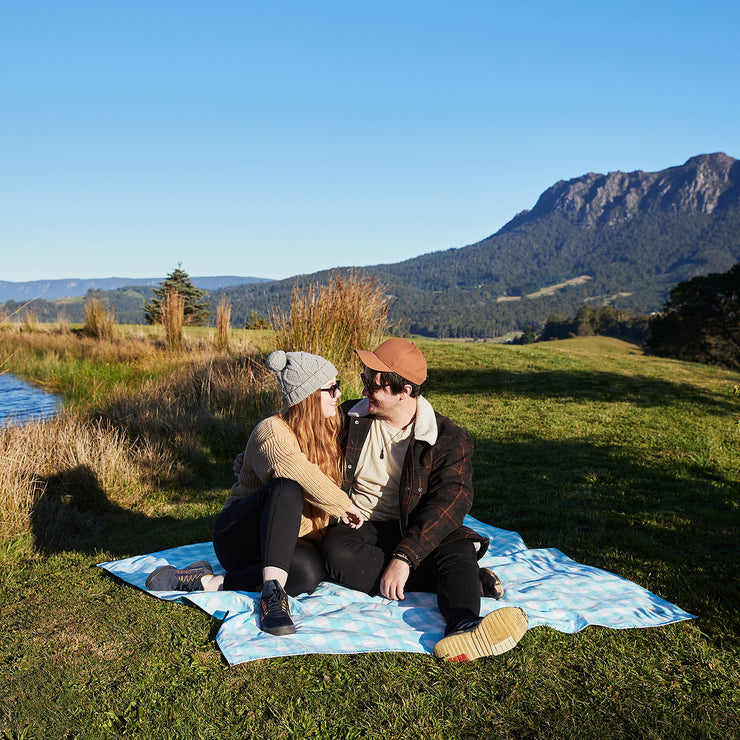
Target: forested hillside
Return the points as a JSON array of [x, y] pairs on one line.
[[620, 239], [127, 304]]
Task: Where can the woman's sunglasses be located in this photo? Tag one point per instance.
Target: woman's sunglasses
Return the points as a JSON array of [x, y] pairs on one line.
[[332, 390]]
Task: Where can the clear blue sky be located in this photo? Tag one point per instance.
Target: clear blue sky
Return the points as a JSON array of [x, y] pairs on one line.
[[284, 137]]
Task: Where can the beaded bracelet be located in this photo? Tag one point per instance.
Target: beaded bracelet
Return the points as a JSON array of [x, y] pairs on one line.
[[403, 557]]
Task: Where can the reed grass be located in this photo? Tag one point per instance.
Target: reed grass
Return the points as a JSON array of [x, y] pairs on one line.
[[5, 317], [223, 321], [173, 318], [30, 321], [204, 403], [331, 320], [99, 319], [62, 323]]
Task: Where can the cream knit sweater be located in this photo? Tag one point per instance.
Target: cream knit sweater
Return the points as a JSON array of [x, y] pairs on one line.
[[272, 452]]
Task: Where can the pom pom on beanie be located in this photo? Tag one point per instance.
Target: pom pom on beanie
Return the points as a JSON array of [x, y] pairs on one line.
[[277, 361], [299, 374]]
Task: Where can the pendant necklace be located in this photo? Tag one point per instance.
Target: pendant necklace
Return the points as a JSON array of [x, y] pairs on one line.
[[390, 441]]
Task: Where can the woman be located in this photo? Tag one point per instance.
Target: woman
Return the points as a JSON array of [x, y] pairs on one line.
[[286, 494]]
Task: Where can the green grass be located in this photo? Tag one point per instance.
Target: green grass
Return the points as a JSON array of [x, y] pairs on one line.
[[85, 371], [624, 462]]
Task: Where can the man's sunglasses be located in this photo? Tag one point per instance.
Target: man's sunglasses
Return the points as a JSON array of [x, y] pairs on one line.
[[332, 390], [371, 387]]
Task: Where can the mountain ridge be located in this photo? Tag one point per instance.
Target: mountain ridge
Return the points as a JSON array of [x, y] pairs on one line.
[[698, 185], [634, 235]]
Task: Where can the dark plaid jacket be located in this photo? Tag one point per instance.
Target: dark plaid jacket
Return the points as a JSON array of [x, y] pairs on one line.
[[436, 490]]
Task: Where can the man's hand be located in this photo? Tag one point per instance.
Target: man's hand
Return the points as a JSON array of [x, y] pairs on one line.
[[394, 580], [352, 517], [238, 462]]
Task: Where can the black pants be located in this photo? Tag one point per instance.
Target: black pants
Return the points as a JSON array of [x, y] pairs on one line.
[[261, 530], [356, 558]]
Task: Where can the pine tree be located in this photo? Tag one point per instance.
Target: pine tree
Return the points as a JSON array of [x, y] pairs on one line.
[[196, 306]]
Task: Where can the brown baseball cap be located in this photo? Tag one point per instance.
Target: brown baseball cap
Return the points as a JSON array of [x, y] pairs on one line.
[[397, 356]]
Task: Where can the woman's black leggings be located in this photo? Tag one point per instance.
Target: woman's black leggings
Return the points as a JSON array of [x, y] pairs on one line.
[[261, 530]]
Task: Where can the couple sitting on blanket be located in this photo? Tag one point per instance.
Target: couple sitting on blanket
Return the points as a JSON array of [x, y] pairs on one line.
[[372, 498]]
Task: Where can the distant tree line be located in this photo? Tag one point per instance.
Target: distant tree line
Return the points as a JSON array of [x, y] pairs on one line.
[[602, 320], [127, 304], [700, 322]]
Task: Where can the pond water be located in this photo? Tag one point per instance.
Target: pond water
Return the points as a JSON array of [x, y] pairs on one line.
[[20, 402]]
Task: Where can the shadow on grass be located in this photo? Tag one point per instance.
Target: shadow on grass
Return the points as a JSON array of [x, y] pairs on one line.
[[677, 530], [578, 385], [74, 513], [183, 429]]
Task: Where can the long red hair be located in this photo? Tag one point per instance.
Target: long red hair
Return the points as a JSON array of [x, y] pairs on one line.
[[317, 435]]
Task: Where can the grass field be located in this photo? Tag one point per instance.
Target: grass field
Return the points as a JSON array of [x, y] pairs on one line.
[[624, 462]]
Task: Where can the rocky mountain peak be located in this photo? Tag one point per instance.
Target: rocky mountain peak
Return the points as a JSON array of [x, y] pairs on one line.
[[704, 183]]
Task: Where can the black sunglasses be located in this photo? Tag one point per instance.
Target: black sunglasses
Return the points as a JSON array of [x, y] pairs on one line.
[[332, 390], [371, 387]]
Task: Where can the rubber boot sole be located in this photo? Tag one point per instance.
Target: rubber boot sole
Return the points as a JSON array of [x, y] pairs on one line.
[[497, 632]]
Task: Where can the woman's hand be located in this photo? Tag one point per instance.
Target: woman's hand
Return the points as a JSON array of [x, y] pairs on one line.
[[352, 517], [238, 462]]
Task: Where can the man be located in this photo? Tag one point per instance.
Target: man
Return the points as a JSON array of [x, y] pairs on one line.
[[408, 469]]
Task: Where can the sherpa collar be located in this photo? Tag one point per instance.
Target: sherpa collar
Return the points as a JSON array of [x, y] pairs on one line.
[[425, 426]]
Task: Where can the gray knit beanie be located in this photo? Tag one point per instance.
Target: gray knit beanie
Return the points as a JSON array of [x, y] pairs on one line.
[[299, 374]]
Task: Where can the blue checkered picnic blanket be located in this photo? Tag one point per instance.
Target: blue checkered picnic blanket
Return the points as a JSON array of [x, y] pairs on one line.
[[551, 588]]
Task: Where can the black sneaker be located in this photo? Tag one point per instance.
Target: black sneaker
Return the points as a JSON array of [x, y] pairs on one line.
[[169, 578], [275, 617], [490, 584], [496, 633]]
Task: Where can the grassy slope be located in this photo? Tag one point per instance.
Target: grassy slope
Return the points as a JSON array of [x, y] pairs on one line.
[[623, 462]]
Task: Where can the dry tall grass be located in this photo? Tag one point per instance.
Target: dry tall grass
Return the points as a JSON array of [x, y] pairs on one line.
[[223, 320], [99, 319], [173, 317], [158, 434], [62, 323], [30, 321], [331, 320], [60, 455], [204, 396], [133, 436], [5, 317]]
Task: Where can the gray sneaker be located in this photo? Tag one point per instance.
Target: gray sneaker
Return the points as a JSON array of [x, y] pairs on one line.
[[169, 578]]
